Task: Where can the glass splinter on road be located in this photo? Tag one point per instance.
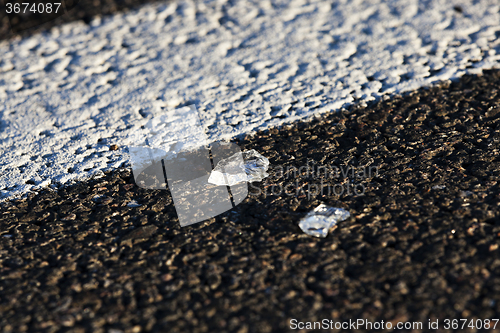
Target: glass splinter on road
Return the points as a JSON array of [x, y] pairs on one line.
[[318, 222], [249, 166]]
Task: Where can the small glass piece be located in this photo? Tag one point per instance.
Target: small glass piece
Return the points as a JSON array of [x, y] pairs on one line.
[[249, 166], [318, 222]]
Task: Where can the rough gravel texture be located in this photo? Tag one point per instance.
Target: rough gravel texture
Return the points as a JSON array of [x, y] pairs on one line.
[[422, 243]]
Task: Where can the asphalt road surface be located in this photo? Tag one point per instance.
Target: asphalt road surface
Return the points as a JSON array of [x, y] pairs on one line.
[[422, 242]]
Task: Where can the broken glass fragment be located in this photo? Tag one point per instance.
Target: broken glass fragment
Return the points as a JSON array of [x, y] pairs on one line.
[[318, 222], [249, 166], [134, 204]]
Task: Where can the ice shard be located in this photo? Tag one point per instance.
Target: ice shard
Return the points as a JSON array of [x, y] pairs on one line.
[[318, 222]]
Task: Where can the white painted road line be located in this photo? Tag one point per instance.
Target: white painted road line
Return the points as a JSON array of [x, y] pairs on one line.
[[66, 96]]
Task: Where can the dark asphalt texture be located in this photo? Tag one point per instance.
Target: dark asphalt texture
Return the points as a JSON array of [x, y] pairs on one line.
[[422, 242]]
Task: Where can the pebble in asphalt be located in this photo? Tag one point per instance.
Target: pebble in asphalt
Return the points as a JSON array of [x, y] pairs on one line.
[[421, 243]]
